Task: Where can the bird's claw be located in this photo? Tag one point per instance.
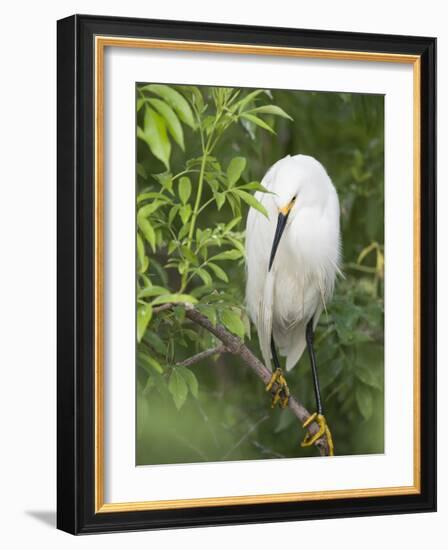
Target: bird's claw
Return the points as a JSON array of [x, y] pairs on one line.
[[324, 430], [280, 394]]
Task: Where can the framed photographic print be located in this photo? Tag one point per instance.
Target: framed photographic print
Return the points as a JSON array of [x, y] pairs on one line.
[[246, 274]]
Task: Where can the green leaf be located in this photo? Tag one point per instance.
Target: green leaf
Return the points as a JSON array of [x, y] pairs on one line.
[[189, 255], [175, 100], [166, 181], [141, 171], [160, 198], [209, 312], [212, 181], [182, 267], [207, 124], [205, 276], [160, 272], [237, 244], [172, 246], [250, 128], [219, 297], [155, 341], [179, 313], [220, 199], [234, 202], [185, 213], [190, 379], [178, 388], [174, 210], [246, 100], [270, 110], [148, 231], [197, 98], [232, 224], [142, 361], [155, 136], [231, 319], [145, 265], [172, 122], [364, 400], [141, 253], [228, 255], [251, 201], [144, 314], [218, 271], [151, 291], [147, 361], [235, 169], [199, 234], [155, 364], [254, 186], [367, 376], [148, 209], [258, 121], [174, 299], [184, 189]]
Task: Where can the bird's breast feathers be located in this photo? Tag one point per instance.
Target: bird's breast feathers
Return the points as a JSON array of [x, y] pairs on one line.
[[304, 269], [302, 277]]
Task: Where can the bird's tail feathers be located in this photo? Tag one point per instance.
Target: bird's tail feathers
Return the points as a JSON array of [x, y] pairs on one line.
[[295, 346], [291, 343]]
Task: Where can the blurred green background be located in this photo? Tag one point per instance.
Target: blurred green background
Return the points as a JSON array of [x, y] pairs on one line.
[[217, 409]]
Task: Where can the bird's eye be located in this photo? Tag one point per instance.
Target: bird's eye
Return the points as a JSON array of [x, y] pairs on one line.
[[294, 198]]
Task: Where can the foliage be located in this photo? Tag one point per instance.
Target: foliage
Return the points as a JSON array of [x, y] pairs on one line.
[[201, 153]]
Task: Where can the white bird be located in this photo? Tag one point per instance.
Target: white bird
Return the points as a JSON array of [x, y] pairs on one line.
[[292, 261]]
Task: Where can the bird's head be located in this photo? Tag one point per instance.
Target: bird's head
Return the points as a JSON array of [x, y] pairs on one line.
[[296, 182], [285, 199]]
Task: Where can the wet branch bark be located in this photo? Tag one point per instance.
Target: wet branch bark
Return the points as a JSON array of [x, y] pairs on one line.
[[232, 344]]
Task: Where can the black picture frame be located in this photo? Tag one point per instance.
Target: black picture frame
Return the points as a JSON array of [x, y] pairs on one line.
[[76, 253]]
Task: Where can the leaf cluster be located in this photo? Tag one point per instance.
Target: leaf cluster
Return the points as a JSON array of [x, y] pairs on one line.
[[195, 186], [181, 257]]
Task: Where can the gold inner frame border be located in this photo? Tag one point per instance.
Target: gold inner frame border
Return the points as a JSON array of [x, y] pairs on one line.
[[101, 42]]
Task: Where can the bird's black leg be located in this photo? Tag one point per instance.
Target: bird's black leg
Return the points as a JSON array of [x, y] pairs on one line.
[[318, 416], [274, 353], [281, 393], [312, 355]]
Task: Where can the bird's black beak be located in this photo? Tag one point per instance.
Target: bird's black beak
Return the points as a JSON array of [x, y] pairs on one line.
[[281, 224]]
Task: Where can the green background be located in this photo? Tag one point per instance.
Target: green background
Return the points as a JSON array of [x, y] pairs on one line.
[[230, 418]]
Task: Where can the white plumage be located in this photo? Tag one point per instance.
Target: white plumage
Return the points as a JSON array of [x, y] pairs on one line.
[[282, 300]]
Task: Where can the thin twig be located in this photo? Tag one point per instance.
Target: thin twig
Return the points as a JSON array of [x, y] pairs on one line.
[[266, 450], [202, 355], [234, 345], [243, 438]]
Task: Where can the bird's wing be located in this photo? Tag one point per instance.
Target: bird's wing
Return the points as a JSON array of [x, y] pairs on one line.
[[260, 282], [264, 321]]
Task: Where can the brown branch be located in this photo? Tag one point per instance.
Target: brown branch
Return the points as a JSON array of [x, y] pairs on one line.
[[234, 345], [202, 355]]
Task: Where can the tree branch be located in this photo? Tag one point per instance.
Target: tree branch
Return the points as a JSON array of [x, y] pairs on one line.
[[202, 355], [233, 344]]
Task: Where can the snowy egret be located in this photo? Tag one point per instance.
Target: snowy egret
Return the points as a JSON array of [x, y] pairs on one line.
[[292, 262]]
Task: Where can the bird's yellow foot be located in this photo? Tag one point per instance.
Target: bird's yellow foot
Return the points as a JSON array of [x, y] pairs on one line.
[[280, 394], [324, 430]]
